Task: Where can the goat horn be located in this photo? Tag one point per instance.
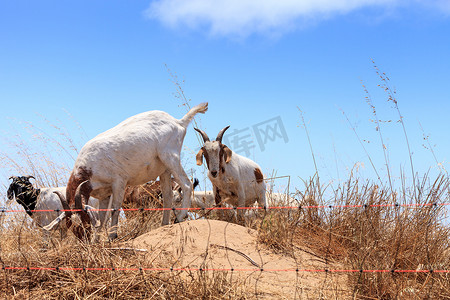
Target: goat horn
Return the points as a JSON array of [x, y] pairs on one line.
[[12, 177], [78, 200], [220, 135], [64, 203], [204, 135], [30, 176]]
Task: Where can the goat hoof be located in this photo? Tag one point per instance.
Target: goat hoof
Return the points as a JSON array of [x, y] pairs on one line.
[[176, 221]]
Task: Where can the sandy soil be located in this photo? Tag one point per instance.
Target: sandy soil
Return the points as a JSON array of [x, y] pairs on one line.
[[220, 245]]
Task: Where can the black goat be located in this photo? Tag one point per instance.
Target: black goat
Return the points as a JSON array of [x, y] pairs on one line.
[[26, 195]]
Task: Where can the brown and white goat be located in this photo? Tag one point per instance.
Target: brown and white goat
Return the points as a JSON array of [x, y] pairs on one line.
[[139, 149], [235, 179]]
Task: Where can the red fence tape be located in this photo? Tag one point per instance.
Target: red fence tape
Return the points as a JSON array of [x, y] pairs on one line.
[[412, 205], [110, 269]]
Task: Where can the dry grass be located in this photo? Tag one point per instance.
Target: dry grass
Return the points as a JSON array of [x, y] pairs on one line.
[[376, 237], [371, 238], [21, 245], [138, 197]]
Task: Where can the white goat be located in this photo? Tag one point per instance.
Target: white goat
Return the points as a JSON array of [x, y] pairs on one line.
[[281, 199], [235, 179], [205, 199], [44, 200], [200, 199], [138, 150]]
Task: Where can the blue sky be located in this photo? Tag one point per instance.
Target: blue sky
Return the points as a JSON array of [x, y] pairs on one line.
[[95, 63]]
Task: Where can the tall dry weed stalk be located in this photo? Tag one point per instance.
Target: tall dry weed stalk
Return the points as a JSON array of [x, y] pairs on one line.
[[47, 152], [391, 93]]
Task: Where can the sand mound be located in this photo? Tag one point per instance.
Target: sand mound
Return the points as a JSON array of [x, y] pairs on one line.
[[220, 245]]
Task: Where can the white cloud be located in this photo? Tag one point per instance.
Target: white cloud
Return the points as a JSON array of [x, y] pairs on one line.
[[244, 17], [443, 5]]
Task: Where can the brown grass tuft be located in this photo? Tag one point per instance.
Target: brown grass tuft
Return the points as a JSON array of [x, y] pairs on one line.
[[376, 237]]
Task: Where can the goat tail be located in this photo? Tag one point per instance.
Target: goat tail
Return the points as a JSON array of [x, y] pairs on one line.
[[201, 108]]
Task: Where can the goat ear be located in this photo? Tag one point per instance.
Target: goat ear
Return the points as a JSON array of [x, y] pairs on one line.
[[227, 153], [199, 157], [196, 183], [10, 192]]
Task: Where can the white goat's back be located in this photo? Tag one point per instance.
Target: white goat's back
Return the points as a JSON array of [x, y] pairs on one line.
[[280, 199], [203, 199], [105, 153], [47, 200]]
